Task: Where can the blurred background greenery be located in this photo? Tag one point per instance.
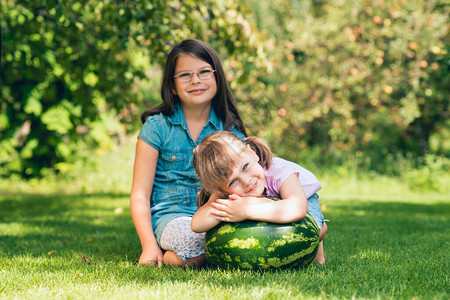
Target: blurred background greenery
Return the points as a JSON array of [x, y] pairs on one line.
[[343, 87]]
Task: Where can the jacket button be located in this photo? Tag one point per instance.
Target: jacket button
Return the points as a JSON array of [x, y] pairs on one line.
[[173, 157]]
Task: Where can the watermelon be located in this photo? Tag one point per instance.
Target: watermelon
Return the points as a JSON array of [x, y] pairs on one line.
[[257, 245]]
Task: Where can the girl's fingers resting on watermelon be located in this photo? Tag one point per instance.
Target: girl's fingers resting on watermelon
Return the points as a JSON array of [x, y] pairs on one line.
[[235, 210]]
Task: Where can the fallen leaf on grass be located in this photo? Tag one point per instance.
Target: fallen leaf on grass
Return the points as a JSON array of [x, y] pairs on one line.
[[79, 275], [118, 210], [85, 260], [89, 240], [51, 252]]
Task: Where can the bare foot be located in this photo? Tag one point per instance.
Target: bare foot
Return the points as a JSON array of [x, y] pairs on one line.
[[171, 259]]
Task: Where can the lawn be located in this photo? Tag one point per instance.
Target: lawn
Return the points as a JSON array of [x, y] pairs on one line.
[[55, 245]]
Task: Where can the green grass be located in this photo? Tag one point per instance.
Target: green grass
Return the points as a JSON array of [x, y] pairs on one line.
[[374, 249], [384, 241]]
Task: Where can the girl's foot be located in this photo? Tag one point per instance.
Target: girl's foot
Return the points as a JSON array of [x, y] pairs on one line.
[[171, 259]]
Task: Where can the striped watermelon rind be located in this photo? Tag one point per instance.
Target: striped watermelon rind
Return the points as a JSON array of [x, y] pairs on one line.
[[257, 245]]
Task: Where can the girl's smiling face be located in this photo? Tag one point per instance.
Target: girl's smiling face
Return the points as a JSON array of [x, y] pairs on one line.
[[196, 91], [247, 177]]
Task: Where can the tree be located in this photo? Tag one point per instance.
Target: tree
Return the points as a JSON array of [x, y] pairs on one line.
[[69, 69], [365, 78]]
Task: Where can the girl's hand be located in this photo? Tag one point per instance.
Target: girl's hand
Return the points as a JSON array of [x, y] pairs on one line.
[[151, 257], [233, 209]]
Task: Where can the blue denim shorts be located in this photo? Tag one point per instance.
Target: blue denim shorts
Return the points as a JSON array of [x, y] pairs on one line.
[[315, 211]]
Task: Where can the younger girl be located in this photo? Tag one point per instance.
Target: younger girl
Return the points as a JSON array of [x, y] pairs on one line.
[[196, 102], [236, 176]]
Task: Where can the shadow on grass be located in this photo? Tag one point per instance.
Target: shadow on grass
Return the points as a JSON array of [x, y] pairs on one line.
[[95, 225]]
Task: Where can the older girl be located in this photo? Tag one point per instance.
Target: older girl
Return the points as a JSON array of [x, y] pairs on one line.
[[196, 102]]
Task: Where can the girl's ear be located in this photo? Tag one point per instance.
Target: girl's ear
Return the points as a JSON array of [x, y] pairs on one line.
[[174, 91]]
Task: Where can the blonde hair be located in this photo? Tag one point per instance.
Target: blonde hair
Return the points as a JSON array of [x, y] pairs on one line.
[[215, 158]]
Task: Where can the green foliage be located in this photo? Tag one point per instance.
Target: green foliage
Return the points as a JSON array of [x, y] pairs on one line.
[[430, 176], [323, 81], [70, 69], [364, 78]]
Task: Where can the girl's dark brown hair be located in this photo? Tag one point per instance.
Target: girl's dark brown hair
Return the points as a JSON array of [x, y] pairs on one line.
[[214, 159], [223, 102]]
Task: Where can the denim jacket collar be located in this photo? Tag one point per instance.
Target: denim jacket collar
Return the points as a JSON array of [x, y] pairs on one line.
[[177, 118]]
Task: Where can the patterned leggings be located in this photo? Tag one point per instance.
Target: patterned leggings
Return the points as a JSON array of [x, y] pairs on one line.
[[178, 237]]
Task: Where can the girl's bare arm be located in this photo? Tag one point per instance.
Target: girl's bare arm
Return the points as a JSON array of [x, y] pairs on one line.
[[203, 220], [143, 177]]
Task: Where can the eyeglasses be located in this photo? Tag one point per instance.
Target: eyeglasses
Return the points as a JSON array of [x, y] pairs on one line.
[[187, 76]]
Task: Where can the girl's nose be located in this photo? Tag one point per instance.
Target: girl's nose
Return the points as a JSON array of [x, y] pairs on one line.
[[246, 180], [195, 78]]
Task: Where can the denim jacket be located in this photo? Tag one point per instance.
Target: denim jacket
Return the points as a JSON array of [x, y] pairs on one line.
[[176, 184]]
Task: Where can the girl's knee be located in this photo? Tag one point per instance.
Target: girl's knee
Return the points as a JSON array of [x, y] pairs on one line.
[[323, 231]]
